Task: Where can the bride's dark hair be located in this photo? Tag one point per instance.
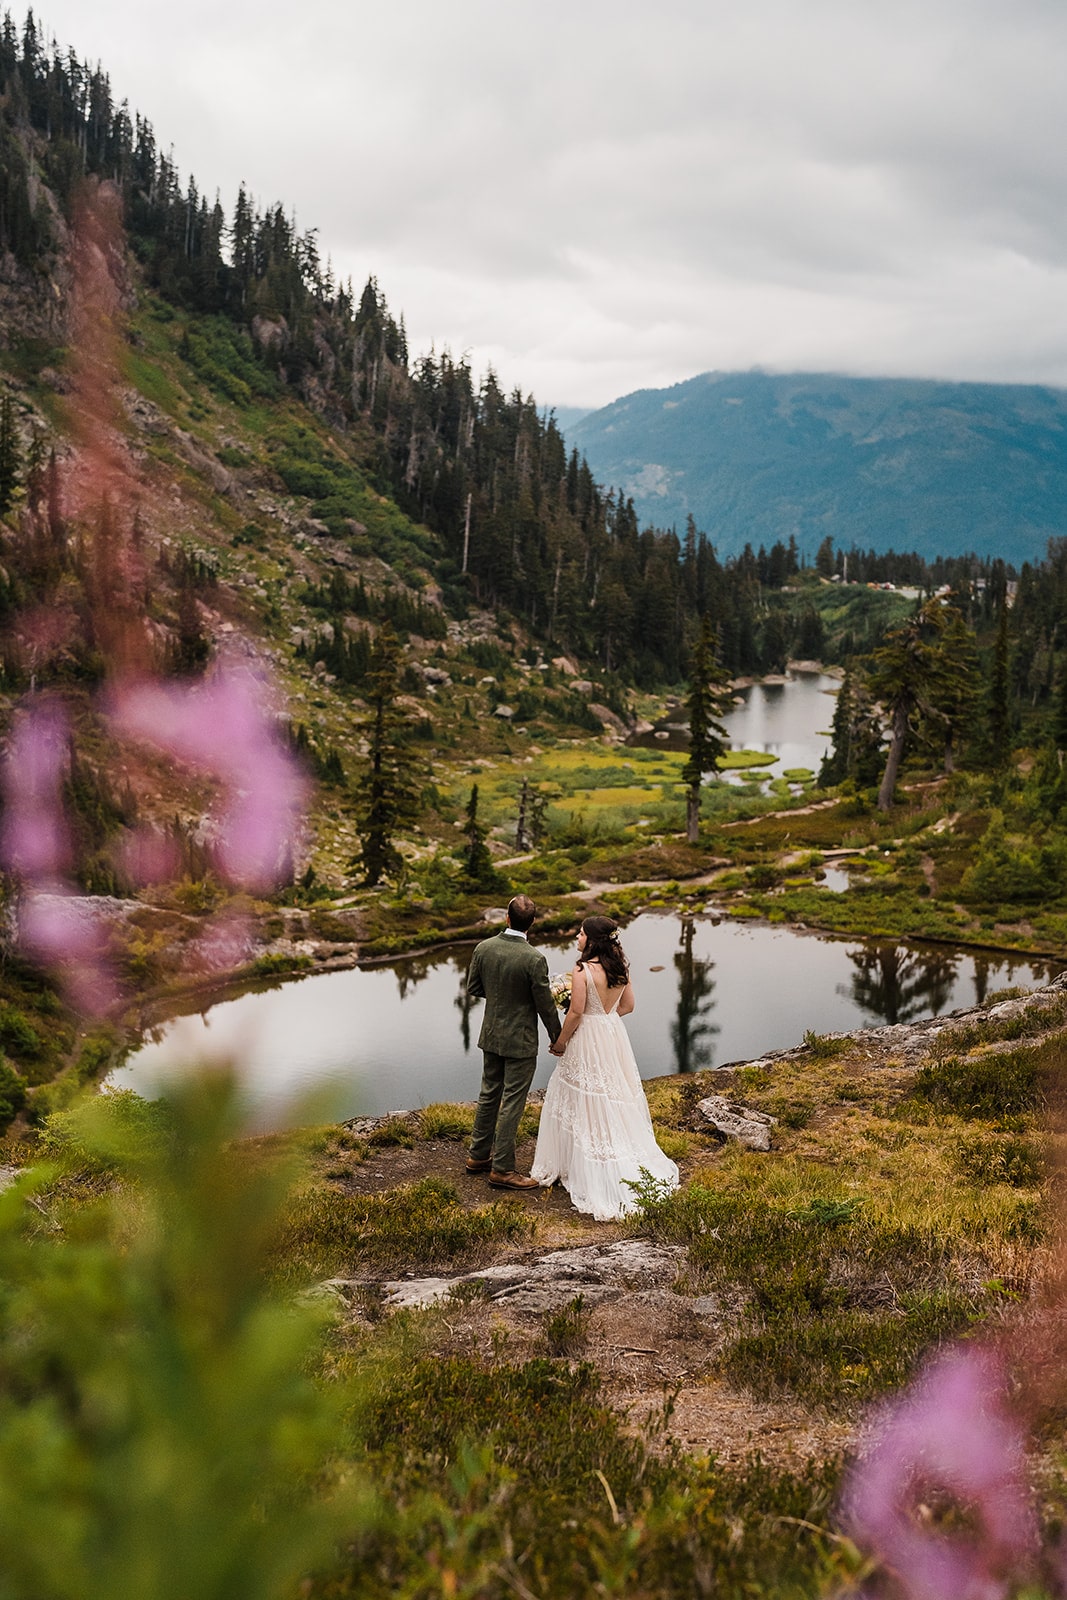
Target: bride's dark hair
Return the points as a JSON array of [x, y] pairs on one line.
[[602, 944]]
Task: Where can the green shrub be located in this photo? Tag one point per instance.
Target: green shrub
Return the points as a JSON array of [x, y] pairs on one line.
[[393, 1131], [108, 1133], [272, 961], [160, 1431], [822, 1046], [327, 1234], [522, 1480], [850, 1355], [446, 1121], [1015, 869], [18, 1035], [1000, 1158], [566, 1330], [999, 1084], [12, 1094]]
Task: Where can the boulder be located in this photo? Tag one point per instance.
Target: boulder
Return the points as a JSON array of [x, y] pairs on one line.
[[596, 1272], [748, 1127]]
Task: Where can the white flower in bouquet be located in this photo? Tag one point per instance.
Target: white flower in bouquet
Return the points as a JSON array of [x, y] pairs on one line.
[[560, 986]]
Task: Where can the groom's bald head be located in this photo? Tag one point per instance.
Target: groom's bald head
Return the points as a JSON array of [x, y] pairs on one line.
[[521, 912]]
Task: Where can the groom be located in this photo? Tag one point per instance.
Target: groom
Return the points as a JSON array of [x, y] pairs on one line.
[[512, 978]]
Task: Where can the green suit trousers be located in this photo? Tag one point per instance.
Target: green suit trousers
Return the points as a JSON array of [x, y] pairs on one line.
[[506, 1082]]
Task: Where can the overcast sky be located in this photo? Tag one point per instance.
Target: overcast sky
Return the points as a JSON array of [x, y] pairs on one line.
[[597, 196]]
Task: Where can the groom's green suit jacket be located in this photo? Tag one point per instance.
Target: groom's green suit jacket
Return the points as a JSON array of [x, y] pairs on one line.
[[512, 977]]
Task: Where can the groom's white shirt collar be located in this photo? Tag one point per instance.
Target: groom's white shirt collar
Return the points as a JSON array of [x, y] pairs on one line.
[[516, 933]]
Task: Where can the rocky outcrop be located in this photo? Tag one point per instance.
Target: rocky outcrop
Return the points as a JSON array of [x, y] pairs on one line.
[[909, 1042], [748, 1127], [597, 1272]]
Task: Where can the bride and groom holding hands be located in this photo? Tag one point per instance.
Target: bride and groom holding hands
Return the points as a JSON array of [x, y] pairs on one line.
[[596, 1135]]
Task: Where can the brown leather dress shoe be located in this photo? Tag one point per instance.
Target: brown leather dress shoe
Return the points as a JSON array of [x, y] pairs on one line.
[[478, 1166], [512, 1180]]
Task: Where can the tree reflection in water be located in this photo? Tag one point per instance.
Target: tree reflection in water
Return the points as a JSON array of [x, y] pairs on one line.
[[412, 971], [897, 984], [690, 1028], [465, 1004]]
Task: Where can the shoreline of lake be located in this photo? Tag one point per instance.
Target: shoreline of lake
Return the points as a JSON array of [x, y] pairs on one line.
[[391, 1035], [246, 981]]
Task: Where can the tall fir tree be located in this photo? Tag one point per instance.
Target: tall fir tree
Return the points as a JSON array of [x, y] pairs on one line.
[[958, 688], [907, 675], [837, 762], [387, 796], [1059, 724], [477, 862], [10, 454], [999, 698], [707, 700]]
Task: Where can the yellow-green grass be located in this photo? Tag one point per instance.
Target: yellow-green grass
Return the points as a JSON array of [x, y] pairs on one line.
[[848, 1132], [735, 760], [611, 790], [594, 799]]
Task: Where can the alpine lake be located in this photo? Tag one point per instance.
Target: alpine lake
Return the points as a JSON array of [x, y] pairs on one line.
[[403, 1034]]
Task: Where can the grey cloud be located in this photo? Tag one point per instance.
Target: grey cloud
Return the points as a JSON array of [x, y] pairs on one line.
[[597, 196]]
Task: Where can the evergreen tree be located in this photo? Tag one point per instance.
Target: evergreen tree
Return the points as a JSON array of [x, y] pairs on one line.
[[192, 646], [957, 691], [857, 736], [908, 673], [1059, 726], [477, 863], [387, 796], [824, 558], [811, 635], [708, 697], [837, 762], [999, 703], [522, 826], [10, 454]]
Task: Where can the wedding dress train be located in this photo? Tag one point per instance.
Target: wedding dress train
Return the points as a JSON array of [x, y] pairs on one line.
[[596, 1131]]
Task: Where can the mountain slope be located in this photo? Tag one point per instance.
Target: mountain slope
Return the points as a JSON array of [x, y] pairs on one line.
[[941, 468]]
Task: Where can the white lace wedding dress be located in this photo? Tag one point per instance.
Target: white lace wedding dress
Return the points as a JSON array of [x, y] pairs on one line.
[[596, 1130]]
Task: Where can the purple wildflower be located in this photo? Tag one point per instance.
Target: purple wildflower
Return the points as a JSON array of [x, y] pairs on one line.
[[61, 930], [225, 943], [951, 1432], [148, 856], [55, 926], [34, 842], [224, 728]]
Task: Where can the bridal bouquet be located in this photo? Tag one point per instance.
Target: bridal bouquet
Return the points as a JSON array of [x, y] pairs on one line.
[[560, 986]]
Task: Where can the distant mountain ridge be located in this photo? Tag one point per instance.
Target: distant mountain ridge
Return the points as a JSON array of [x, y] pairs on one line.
[[882, 463]]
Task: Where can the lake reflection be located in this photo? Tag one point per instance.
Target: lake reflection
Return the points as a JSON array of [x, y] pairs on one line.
[[708, 993], [790, 720]]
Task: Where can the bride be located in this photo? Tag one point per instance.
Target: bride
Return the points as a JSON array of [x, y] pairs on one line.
[[596, 1132]]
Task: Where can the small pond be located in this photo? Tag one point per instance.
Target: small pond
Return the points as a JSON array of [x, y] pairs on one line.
[[708, 992], [788, 718]]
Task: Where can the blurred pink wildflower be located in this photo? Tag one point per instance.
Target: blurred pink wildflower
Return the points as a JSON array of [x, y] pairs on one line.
[[148, 856], [34, 840], [223, 727], [950, 1434], [63, 931], [56, 927], [224, 945]]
